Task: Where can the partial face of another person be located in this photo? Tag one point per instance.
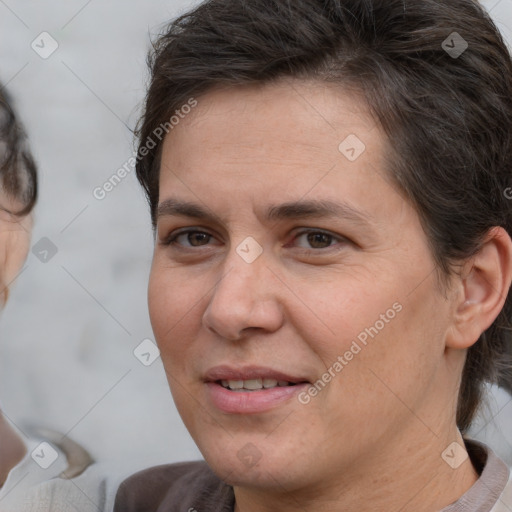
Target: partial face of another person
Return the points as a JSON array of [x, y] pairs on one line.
[[15, 236], [283, 256], [14, 246]]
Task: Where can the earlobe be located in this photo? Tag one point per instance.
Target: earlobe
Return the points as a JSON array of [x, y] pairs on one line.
[[485, 283]]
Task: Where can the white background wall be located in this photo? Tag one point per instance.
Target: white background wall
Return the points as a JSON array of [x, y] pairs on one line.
[[68, 333]]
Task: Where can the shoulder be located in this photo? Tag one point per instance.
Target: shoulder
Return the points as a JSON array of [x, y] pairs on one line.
[[192, 485], [57, 475], [493, 490], [504, 502], [87, 493], [155, 482]]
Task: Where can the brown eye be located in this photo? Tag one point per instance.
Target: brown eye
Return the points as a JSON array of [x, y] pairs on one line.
[[189, 238], [319, 240], [196, 238]]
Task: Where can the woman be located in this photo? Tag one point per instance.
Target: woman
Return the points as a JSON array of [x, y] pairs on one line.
[[18, 193], [331, 274], [48, 472]]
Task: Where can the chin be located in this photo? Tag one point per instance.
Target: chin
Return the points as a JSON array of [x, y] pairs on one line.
[[261, 476], [249, 467]]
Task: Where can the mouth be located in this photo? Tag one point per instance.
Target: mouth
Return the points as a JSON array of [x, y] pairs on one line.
[[250, 390], [254, 384]]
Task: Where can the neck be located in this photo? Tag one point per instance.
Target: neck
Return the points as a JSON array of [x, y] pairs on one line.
[[12, 448], [408, 478]]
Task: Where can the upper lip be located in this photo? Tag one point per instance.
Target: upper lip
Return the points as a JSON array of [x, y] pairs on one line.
[[225, 372]]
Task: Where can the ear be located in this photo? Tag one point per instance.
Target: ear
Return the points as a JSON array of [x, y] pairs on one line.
[[483, 288], [14, 245]]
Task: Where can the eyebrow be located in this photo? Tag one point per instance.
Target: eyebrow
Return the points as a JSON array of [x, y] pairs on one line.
[[316, 209], [302, 209]]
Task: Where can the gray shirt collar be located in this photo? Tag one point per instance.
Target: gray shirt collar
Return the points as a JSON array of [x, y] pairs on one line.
[[486, 491]]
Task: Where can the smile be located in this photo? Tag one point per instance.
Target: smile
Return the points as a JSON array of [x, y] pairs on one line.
[[254, 384], [250, 389]]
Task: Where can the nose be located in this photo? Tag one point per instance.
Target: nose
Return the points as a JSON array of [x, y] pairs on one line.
[[246, 298]]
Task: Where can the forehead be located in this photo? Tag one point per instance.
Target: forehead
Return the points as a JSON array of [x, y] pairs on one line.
[[293, 110], [275, 143]]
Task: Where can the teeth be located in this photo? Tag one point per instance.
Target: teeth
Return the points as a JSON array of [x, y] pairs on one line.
[[269, 383], [236, 384], [253, 384]]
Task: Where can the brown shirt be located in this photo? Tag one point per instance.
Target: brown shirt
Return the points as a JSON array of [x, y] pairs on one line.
[[193, 487]]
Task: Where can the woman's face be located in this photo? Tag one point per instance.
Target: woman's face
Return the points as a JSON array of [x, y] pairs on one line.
[[284, 253], [15, 235]]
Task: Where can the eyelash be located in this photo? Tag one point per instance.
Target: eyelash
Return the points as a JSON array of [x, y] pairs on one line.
[[171, 240]]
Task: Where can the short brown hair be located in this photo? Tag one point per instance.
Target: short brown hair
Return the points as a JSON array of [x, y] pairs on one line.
[[18, 172], [448, 117]]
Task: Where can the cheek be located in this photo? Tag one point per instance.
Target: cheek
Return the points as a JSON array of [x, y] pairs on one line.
[[17, 245], [374, 324], [337, 311], [158, 298], [173, 310], [394, 358]]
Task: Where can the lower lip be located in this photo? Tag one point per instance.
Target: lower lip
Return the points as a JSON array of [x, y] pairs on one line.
[[250, 402]]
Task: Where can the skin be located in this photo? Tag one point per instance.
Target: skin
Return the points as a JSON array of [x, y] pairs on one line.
[[372, 438], [14, 245]]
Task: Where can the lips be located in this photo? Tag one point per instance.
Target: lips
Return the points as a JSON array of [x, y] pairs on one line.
[[251, 373], [251, 389]]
